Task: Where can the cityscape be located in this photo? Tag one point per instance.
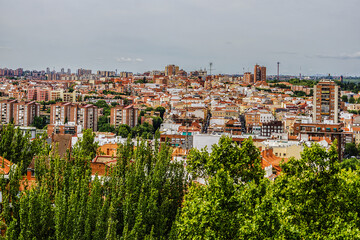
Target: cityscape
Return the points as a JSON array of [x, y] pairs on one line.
[[280, 113], [183, 119]]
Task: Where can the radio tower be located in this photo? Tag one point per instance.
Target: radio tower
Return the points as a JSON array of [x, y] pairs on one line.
[[210, 67], [278, 68]]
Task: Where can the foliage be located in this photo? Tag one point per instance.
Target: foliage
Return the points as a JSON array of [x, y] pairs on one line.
[[350, 163], [144, 130], [138, 199], [124, 130], [243, 163], [349, 86], [86, 146], [281, 85], [141, 80], [312, 199], [157, 121], [351, 150], [352, 99], [344, 98], [104, 125], [299, 94], [161, 110], [102, 104], [16, 146], [39, 122], [303, 82]]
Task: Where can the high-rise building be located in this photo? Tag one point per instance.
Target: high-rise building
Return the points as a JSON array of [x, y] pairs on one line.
[[326, 101], [124, 115], [171, 70], [7, 111], [84, 115], [248, 78], [60, 113], [25, 112], [69, 71], [259, 73], [83, 72]]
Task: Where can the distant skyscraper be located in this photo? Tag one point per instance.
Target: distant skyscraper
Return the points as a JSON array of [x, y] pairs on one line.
[[69, 71], [171, 70], [259, 73], [83, 72], [62, 71], [47, 70], [326, 101]]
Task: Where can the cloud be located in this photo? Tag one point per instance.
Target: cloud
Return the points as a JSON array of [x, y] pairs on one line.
[[127, 59], [355, 55]]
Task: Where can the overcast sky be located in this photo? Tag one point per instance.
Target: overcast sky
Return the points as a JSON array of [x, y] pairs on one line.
[[316, 36]]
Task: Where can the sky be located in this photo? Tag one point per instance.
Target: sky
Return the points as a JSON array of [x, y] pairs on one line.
[[305, 36]]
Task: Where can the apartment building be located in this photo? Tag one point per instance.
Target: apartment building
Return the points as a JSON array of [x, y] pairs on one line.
[[271, 127], [25, 112], [38, 94], [84, 115], [248, 78], [326, 101], [60, 94], [259, 73], [124, 115], [60, 113], [7, 111], [171, 70]]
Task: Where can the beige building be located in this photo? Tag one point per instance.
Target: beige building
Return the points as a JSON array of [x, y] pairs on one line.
[[124, 115]]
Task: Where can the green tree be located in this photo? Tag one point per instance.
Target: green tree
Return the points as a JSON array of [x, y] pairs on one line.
[[86, 146], [161, 110], [344, 98], [16, 146], [39, 122], [350, 163], [124, 130], [157, 121], [352, 99], [351, 150], [243, 163]]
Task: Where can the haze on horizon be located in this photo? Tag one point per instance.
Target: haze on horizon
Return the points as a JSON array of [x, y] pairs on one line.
[[316, 36]]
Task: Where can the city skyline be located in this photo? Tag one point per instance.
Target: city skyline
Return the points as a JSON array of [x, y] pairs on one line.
[[307, 37]]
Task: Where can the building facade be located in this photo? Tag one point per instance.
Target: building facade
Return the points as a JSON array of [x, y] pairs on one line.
[[25, 112], [259, 73], [124, 115], [326, 101], [84, 115], [271, 127], [7, 111]]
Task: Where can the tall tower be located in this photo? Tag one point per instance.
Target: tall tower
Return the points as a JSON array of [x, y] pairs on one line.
[[278, 71], [259, 73], [326, 101]]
